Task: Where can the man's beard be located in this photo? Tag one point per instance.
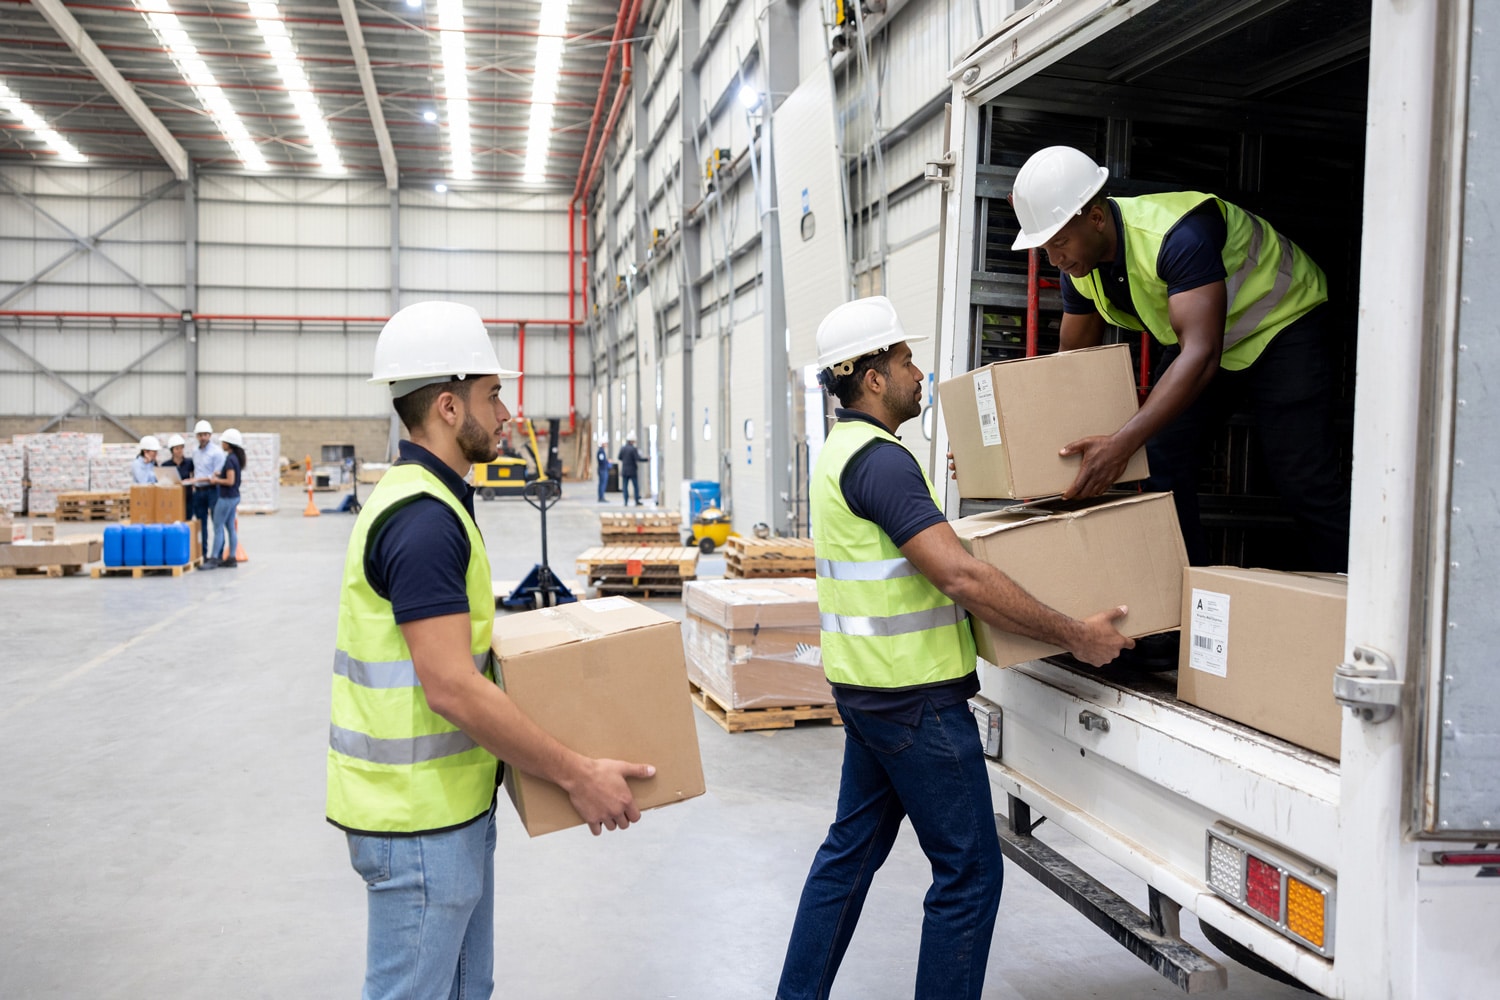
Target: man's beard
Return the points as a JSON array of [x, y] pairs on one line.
[[903, 404], [476, 445]]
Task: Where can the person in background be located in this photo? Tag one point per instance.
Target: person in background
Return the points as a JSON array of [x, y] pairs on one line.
[[208, 461], [228, 482], [630, 470], [176, 459], [143, 468], [601, 459]]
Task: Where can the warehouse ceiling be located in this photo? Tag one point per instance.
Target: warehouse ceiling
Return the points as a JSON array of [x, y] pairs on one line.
[[277, 88]]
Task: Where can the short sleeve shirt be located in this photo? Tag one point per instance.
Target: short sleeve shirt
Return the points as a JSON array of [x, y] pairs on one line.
[[419, 558]]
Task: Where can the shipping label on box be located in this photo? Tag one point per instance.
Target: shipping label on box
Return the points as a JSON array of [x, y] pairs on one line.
[[1007, 421], [1080, 558], [606, 678], [1259, 647]]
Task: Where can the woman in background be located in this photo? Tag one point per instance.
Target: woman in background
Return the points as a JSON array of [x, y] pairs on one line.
[[228, 481], [143, 467]]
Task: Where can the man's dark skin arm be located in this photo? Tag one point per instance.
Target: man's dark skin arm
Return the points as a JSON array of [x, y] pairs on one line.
[[1197, 316], [997, 600]]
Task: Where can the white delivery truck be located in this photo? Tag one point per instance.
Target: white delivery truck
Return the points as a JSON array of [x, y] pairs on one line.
[[1373, 132]]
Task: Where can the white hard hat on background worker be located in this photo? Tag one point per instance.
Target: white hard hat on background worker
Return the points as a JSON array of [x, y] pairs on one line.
[[855, 329], [175, 441], [150, 443], [432, 342], [1052, 188], [203, 427], [232, 436]]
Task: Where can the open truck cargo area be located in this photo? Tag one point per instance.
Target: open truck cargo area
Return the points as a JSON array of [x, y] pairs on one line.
[[1367, 133]]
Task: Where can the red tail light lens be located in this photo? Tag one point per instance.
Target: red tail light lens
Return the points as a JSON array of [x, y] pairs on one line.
[[1263, 888]]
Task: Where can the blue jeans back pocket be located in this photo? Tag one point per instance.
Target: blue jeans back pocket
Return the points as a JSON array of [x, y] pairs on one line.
[[370, 857]]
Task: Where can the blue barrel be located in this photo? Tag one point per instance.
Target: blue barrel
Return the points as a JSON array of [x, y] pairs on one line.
[[702, 494], [133, 537], [178, 544], [153, 548], [114, 537]]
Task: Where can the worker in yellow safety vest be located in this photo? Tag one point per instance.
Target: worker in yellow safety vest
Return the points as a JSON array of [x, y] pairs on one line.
[[1239, 311], [417, 719], [895, 588]]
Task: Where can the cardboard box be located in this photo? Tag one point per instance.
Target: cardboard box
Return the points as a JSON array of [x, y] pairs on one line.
[[155, 504], [607, 679], [78, 550], [1259, 647], [1007, 421], [1083, 557], [749, 604], [6, 527], [43, 531]]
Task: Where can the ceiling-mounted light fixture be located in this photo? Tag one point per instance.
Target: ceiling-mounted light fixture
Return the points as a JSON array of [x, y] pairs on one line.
[[440, 188], [456, 87], [284, 54], [749, 97], [429, 116], [169, 30], [549, 53], [46, 133]]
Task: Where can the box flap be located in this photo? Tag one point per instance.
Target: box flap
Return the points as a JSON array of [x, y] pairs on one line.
[[569, 623]]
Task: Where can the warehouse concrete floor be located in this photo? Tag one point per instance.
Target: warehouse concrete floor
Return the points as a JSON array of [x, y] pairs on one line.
[[163, 831]]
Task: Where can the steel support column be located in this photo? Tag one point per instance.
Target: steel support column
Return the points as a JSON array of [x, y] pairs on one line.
[[190, 297], [688, 237], [393, 437], [778, 52]]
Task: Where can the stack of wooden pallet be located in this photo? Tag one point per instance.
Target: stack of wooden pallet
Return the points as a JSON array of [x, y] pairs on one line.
[[94, 505], [769, 557], [639, 570], [657, 527]]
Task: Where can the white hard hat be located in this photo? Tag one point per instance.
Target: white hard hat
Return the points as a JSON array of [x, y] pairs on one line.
[[1051, 188], [203, 427], [232, 436], [175, 441], [149, 443], [857, 328], [432, 342]]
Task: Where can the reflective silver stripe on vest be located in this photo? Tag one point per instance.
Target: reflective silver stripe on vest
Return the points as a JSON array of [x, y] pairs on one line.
[[387, 673], [879, 569], [1252, 318], [911, 621], [413, 750]]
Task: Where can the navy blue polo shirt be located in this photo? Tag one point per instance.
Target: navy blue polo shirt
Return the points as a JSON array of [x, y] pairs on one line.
[[1192, 255], [418, 558], [883, 483]]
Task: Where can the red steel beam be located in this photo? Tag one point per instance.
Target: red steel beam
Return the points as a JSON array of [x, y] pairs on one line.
[[609, 68], [255, 317]]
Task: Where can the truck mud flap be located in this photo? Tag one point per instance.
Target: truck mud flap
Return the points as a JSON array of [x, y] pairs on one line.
[[1151, 937]]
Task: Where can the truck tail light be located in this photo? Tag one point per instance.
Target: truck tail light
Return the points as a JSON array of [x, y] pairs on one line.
[[1278, 888]]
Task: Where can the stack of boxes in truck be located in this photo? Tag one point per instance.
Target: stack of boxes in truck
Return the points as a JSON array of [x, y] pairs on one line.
[[1257, 646]]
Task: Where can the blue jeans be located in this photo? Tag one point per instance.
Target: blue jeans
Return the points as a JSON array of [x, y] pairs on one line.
[[432, 913], [933, 772], [627, 480], [203, 506], [224, 509], [603, 481]]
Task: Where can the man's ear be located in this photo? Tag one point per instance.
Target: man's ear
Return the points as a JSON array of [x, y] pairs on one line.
[[446, 407]]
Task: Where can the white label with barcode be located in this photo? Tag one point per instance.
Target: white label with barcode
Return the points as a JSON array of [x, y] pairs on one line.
[[984, 395], [1208, 628]]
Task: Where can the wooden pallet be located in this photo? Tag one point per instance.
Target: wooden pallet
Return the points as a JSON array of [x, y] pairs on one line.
[[769, 557], [739, 720], [631, 563], [92, 506], [136, 572], [39, 572], [632, 521], [670, 538], [646, 590]]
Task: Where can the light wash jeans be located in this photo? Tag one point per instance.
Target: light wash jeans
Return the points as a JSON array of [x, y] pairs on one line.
[[934, 773], [224, 509], [432, 913]]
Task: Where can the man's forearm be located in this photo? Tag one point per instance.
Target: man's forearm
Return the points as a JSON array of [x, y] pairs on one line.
[[1184, 380], [997, 600], [491, 719]]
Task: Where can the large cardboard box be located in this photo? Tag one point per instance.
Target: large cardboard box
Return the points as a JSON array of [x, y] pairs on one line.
[[1007, 421], [752, 604], [1259, 647], [78, 550], [606, 678], [1082, 557], [755, 643], [157, 504]]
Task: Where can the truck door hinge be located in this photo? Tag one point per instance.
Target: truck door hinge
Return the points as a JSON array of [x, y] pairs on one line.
[[1368, 687], [940, 171]]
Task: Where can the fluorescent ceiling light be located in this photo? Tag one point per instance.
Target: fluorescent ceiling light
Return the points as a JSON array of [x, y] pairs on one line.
[[28, 117], [429, 116], [284, 54], [749, 97], [456, 86], [549, 53], [166, 26], [440, 188]]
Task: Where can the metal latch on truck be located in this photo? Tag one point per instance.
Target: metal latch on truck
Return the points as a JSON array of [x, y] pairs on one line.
[[1368, 687]]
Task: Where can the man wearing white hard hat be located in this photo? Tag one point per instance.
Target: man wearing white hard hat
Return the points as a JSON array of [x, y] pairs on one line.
[[895, 591], [417, 719], [1239, 311], [208, 461], [143, 466]]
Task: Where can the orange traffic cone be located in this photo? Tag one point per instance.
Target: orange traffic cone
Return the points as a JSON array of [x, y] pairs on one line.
[[312, 508], [239, 543]]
